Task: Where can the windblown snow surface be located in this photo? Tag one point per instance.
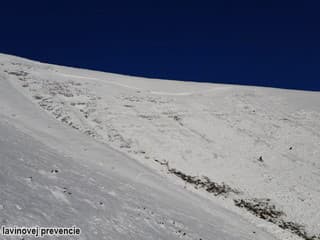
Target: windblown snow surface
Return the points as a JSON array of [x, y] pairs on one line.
[[135, 158]]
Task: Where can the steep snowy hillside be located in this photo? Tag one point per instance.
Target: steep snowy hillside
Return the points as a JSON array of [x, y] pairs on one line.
[[52, 175], [252, 150]]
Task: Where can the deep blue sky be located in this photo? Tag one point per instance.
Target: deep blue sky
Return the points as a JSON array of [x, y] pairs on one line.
[[269, 43]]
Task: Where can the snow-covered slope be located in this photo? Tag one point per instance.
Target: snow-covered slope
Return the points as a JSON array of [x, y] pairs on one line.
[[247, 144]]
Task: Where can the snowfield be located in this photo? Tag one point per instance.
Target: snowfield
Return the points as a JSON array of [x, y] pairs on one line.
[[135, 158]]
